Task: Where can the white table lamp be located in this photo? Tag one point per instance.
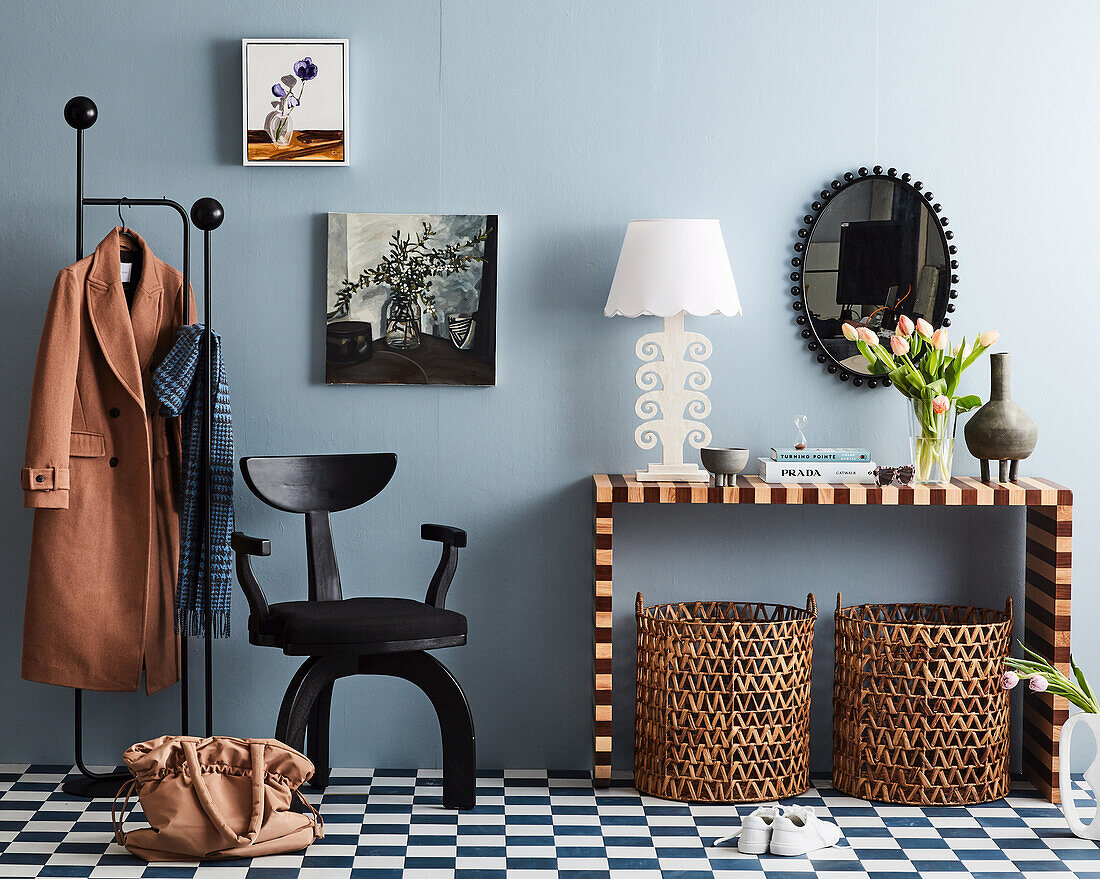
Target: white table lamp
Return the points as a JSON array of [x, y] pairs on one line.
[[667, 268]]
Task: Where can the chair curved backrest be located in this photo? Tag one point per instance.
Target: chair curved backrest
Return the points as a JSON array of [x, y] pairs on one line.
[[315, 483], [318, 485]]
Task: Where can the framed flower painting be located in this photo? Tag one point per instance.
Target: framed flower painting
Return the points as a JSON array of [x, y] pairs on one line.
[[295, 102]]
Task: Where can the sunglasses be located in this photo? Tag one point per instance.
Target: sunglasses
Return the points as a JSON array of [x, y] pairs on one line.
[[885, 475]]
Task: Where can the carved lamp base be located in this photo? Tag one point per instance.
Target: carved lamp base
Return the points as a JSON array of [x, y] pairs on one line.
[[672, 405], [672, 473]]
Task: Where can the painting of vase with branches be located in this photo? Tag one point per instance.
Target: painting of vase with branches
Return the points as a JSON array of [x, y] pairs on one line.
[[411, 299]]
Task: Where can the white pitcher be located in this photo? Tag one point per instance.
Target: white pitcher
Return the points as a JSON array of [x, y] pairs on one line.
[[1092, 775]]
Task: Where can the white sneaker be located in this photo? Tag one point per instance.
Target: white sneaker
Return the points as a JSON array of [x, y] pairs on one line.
[[755, 832], [799, 831]]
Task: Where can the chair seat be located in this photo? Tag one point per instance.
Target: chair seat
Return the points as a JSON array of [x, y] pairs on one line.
[[360, 625]]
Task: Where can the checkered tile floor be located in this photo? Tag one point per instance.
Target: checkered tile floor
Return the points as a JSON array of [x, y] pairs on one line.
[[387, 823]]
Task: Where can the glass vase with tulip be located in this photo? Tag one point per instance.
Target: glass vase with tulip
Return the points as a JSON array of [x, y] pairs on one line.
[[923, 366]]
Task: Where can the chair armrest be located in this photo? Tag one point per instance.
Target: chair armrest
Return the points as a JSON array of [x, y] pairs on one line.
[[241, 542], [244, 547], [445, 534], [452, 539]]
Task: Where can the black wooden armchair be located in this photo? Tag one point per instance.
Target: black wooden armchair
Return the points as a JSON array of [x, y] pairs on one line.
[[349, 636]]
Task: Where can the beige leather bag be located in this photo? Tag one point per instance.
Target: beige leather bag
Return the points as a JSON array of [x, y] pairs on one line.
[[221, 797]]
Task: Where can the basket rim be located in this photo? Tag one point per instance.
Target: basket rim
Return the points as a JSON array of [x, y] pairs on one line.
[[1004, 615], [806, 614]]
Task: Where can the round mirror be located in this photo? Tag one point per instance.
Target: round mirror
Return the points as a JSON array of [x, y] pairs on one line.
[[875, 248]]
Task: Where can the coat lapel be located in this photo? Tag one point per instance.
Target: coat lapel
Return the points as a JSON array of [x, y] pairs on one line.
[[126, 337], [145, 312]]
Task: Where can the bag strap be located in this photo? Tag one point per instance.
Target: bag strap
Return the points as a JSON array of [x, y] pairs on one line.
[[116, 823], [317, 819], [202, 794]]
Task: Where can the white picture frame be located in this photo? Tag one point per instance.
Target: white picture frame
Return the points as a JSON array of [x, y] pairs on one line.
[[312, 124]]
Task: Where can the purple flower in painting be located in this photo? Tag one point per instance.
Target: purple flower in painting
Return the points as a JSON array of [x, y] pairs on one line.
[[305, 69], [292, 101], [278, 91]]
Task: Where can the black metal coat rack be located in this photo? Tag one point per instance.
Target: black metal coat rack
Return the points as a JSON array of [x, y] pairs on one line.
[[207, 214]]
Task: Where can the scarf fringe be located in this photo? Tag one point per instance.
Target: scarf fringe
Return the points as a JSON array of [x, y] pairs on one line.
[[191, 622]]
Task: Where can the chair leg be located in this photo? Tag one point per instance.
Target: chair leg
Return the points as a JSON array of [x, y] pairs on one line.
[[317, 738], [456, 723], [314, 677]]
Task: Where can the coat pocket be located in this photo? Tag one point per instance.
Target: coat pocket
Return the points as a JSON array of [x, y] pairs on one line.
[[83, 444]]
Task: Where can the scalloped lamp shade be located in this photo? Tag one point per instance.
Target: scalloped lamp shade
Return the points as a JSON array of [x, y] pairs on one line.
[[669, 266]]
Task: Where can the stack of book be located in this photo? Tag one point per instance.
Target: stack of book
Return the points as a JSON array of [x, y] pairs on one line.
[[818, 465]]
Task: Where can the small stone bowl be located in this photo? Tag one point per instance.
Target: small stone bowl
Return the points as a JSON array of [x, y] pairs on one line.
[[725, 464]]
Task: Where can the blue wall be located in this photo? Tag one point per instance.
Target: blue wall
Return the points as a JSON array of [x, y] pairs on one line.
[[567, 119]]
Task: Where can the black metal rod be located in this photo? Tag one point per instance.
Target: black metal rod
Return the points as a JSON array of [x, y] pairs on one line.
[[207, 436], [81, 113], [207, 214], [79, 194]]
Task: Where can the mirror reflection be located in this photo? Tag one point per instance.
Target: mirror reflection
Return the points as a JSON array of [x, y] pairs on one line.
[[876, 252]]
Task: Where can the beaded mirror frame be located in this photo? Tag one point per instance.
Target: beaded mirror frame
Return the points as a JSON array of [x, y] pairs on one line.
[[808, 331]]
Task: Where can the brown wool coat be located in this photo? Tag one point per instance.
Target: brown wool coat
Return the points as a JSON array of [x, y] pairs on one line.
[[101, 474]]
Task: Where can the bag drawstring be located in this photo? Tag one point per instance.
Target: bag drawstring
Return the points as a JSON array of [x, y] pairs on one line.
[[129, 787], [320, 822]]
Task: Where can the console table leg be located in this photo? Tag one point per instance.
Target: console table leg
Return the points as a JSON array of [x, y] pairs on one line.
[[1047, 631], [601, 660]]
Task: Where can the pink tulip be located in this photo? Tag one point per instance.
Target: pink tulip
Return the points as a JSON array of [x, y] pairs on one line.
[[940, 404], [905, 326], [849, 332], [924, 328], [898, 345], [939, 340], [1009, 680], [868, 336], [988, 338], [1038, 683]]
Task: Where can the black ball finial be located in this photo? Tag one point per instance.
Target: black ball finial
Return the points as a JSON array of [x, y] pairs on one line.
[[207, 214], [81, 112]]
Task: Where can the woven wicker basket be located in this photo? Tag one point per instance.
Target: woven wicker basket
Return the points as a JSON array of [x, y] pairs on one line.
[[723, 700], [919, 715]]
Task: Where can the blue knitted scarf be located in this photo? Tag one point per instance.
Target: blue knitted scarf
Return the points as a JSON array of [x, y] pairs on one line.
[[181, 387]]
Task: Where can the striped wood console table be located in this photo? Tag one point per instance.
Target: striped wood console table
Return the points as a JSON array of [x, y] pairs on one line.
[[1046, 590]]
